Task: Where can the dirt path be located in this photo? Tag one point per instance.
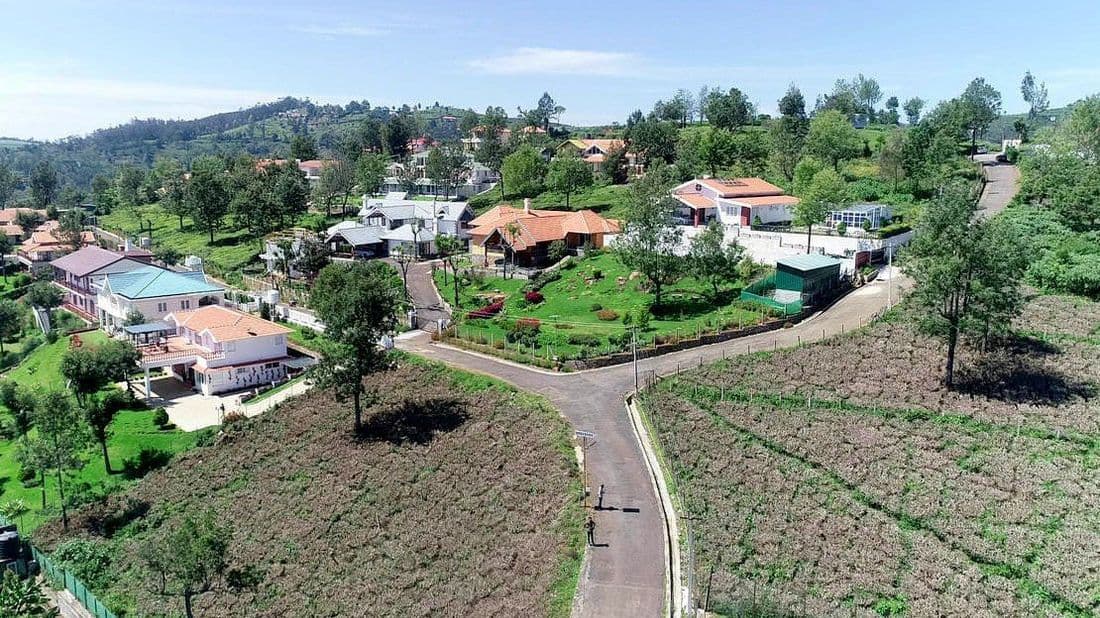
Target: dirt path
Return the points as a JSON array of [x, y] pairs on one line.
[[625, 574]]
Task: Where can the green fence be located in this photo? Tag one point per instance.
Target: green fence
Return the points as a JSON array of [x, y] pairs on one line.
[[60, 577], [761, 290]]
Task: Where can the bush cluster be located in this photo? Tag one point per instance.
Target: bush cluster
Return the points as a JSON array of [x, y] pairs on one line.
[[534, 297], [607, 315], [487, 311]]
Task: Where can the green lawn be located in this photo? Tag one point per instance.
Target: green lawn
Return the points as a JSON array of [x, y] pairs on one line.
[[229, 252], [132, 431], [570, 325]]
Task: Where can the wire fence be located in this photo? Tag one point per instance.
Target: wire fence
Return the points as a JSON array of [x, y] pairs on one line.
[[760, 292]]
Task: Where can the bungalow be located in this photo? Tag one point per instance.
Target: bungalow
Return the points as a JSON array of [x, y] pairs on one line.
[[526, 234], [739, 202], [80, 273], [43, 246], [154, 293], [594, 152], [10, 224], [215, 349]]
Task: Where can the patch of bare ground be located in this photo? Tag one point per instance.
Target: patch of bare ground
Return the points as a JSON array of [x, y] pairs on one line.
[[456, 499], [842, 478]]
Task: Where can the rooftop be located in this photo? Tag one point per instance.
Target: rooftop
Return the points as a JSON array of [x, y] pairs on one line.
[[86, 261], [153, 281], [225, 324], [808, 262]]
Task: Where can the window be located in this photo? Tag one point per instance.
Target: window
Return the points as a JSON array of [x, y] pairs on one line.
[[270, 365], [185, 304], [162, 307]]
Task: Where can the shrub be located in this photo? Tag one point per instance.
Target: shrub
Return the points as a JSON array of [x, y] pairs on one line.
[[893, 230], [597, 274], [563, 326], [585, 339], [607, 315], [486, 312], [524, 332], [595, 307], [556, 251], [1012, 154], [627, 319], [534, 297], [540, 280], [86, 559], [308, 333], [842, 228], [641, 318], [51, 337], [160, 417], [146, 461], [233, 417], [265, 311]]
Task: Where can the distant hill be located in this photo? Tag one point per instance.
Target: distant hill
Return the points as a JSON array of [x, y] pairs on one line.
[[261, 130], [1002, 128]]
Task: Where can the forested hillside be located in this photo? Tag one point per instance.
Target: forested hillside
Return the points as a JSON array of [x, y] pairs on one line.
[[262, 130]]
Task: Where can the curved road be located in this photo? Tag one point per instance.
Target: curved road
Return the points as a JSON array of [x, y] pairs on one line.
[[625, 575]]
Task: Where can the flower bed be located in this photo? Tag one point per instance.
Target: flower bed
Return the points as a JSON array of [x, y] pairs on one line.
[[487, 311]]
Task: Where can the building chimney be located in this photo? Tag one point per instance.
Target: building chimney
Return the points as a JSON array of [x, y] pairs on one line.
[[526, 205]]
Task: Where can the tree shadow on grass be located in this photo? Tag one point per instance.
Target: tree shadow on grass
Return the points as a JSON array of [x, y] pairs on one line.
[[415, 422], [1012, 377]]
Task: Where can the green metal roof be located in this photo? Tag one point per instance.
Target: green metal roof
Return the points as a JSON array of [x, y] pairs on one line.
[[807, 262], [152, 282]]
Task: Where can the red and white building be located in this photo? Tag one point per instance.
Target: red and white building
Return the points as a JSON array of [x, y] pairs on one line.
[[737, 202], [215, 349]]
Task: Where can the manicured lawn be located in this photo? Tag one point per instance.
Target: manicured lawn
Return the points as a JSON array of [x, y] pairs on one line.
[[131, 432], [570, 324], [278, 389], [229, 252]]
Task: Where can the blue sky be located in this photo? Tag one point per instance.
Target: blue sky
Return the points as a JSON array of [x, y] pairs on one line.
[[70, 66]]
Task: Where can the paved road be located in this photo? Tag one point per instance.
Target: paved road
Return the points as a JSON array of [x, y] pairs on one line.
[[626, 576], [1003, 183], [429, 307]]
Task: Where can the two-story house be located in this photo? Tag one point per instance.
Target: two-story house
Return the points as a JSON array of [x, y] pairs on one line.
[[153, 292], [739, 202], [215, 349], [385, 224], [79, 274], [44, 245]]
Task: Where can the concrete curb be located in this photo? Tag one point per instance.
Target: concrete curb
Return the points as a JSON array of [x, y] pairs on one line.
[[674, 591]]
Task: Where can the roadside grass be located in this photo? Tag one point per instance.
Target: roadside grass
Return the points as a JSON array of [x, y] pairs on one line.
[[570, 324], [131, 432]]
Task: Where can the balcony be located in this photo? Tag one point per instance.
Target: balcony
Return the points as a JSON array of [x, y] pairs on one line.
[[73, 287], [175, 351]]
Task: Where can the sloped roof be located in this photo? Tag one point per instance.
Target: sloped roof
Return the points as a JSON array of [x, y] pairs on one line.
[[767, 200], [358, 236], [536, 226], [154, 282], [85, 261], [807, 262], [405, 234], [731, 187], [225, 324]]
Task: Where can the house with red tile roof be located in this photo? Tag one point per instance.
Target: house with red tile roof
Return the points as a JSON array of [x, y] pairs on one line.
[[527, 234], [44, 245], [594, 152], [738, 202], [215, 349]]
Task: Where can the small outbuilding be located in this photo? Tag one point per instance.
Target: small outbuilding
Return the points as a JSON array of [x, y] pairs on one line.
[[816, 277]]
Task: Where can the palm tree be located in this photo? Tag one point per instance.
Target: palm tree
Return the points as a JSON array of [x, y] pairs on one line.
[[513, 231]]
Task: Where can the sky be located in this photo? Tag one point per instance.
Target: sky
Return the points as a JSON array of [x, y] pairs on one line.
[[68, 67]]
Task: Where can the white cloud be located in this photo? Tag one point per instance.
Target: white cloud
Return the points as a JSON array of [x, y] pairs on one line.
[[341, 31], [547, 61]]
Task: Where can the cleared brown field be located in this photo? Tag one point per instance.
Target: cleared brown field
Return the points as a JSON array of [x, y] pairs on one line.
[[458, 499], [841, 478]]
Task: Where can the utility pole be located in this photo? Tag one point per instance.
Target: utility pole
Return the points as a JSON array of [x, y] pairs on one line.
[[890, 276]]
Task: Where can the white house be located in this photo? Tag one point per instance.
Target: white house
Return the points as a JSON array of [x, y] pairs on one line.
[[388, 223], [737, 202], [153, 292], [216, 349]]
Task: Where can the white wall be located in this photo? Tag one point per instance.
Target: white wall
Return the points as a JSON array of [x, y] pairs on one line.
[[117, 308]]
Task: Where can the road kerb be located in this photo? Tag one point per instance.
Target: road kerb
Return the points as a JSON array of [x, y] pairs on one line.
[[674, 592]]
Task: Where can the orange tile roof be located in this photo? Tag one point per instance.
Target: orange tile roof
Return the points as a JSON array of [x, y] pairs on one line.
[[9, 215], [741, 187], [695, 200], [537, 226], [768, 200], [226, 324]]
